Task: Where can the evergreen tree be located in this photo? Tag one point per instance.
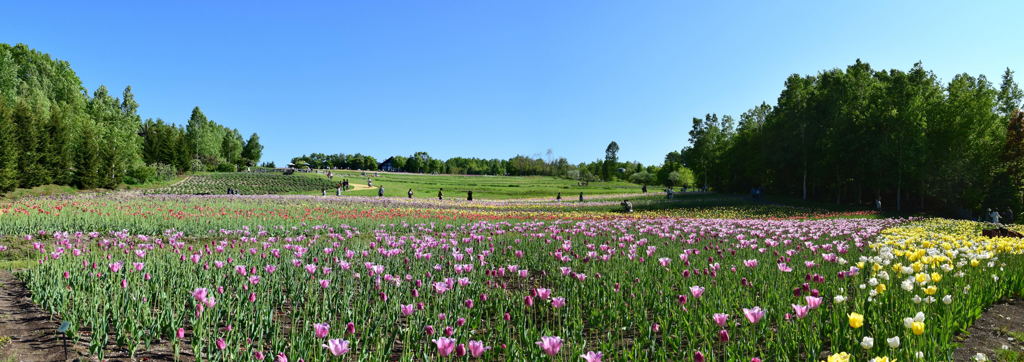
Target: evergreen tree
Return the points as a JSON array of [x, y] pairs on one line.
[[253, 150]]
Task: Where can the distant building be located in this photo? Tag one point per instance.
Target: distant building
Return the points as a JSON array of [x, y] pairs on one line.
[[388, 165]]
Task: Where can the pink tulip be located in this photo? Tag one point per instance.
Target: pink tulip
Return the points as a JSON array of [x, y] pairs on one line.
[[460, 350], [723, 335], [698, 356], [407, 309], [180, 333], [750, 263], [337, 347], [813, 302], [720, 319], [558, 302], [324, 283], [199, 294], [468, 303], [754, 314], [321, 330], [258, 355], [592, 356], [350, 328], [477, 349], [801, 310], [252, 297], [445, 346], [697, 291], [221, 345], [528, 300], [543, 293], [550, 345]]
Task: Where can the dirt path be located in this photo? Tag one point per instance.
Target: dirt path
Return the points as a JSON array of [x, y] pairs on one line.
[[33, 333], [33, 336], [991, 332]]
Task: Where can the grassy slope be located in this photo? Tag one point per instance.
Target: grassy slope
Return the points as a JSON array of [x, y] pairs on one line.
[[483, 187]]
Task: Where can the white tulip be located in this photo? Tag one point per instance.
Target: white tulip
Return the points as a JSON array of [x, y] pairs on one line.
[[893, 342], [867, 342]]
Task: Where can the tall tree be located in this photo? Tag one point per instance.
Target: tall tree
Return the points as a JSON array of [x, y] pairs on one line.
[[611, 160], [1010, 95], [253, 150]]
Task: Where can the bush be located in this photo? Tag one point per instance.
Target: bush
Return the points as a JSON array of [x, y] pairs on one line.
[[226, 167], [164, 172], [140, 175]]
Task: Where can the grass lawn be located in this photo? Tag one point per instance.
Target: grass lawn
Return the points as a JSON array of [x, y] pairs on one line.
[[483, 187]]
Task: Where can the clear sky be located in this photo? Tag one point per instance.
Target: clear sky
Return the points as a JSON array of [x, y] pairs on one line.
[[493, 79]]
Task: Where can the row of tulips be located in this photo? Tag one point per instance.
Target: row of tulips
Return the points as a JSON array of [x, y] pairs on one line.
[[638, 288]]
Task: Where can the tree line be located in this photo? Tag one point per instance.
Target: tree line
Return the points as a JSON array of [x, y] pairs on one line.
[[857, 134], [53, 132], [608, 169]]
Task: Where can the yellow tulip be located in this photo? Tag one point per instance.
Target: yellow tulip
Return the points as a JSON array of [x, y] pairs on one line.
[[880, 288], [917, 327], [936, 277], [839, 357], [931, 289], [857, 320], [975, 262], [921, 277]]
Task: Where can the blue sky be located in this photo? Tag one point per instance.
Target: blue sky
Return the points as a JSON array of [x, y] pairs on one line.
[[494, 78]]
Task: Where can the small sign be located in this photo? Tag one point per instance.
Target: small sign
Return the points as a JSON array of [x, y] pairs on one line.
[[64, 325]]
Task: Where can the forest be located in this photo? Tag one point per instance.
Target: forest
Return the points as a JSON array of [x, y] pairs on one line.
[[52, 131], [852, 135]]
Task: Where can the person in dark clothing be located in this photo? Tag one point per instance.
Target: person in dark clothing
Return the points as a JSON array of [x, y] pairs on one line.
[[558, 197], [627, 206], [469, 195], [581, 196], [230, 191], [644, 189], [440, 194], [323, 191], [410, 193], [380, 191]]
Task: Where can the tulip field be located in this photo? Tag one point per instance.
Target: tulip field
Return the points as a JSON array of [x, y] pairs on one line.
[[359, 278]]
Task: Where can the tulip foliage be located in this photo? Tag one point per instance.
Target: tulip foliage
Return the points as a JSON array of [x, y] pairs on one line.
[[440, 283]]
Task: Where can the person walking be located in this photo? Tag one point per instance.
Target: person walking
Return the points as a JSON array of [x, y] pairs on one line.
[[337, 192], [581, 196], [558, 197], [993, 216], [410, 193], [1010, 217], [440, 194], [380, 191], [469, 195]]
